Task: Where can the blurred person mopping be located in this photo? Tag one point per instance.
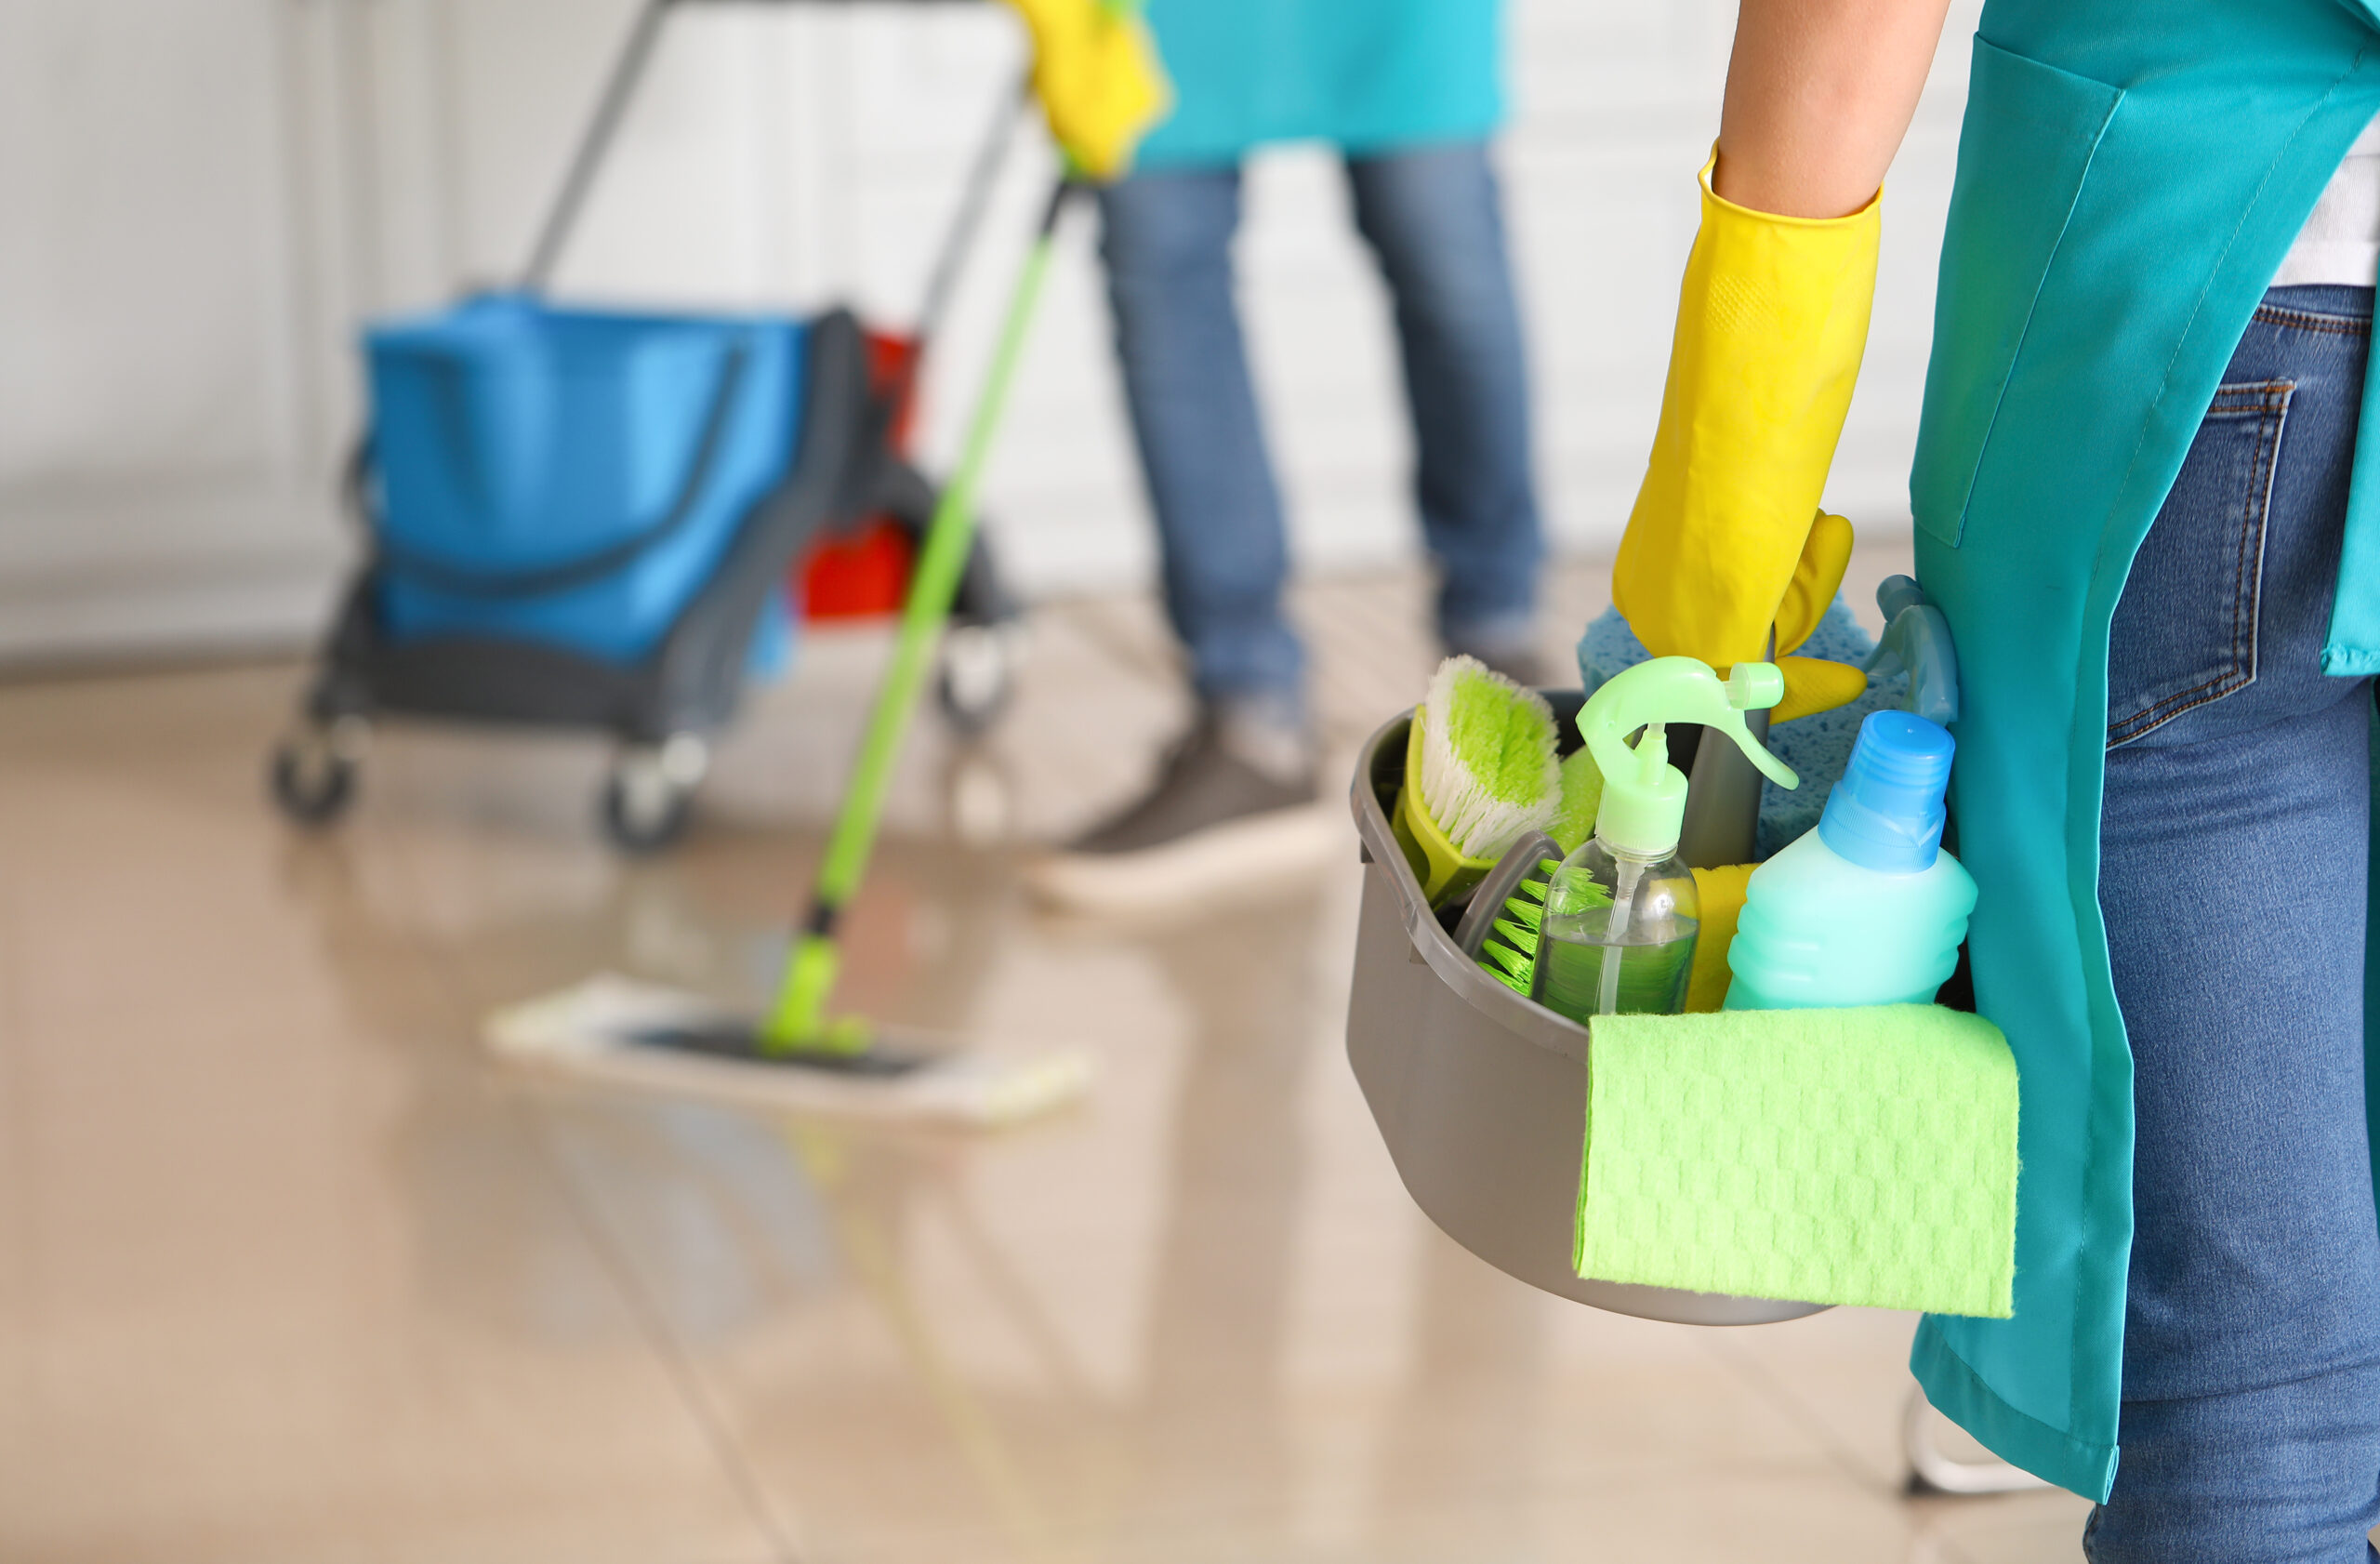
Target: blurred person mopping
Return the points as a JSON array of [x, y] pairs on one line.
[[1410, 92], [1100, 85]]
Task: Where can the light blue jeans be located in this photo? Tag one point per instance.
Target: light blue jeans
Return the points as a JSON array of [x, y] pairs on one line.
[[1433, 220], [2233, 875]]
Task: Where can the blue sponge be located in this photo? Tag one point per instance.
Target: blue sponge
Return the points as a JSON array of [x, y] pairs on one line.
[[1817, 746]]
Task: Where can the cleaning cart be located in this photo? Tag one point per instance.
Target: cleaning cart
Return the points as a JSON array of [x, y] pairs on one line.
[[580, 518]]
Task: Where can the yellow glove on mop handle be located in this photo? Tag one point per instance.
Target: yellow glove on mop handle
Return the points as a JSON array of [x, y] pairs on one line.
[[1096, 72], [1772, 319]]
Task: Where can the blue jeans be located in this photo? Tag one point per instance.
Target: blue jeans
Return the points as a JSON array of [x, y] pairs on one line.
[[2233, 874], [1434, 221]]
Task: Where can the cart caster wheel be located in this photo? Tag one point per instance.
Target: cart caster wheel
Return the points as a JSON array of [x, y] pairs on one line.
[[977, 677], [312, 773], [649, 798]]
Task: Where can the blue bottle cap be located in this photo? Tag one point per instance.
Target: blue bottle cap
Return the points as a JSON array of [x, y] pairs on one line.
[[1886, 813]]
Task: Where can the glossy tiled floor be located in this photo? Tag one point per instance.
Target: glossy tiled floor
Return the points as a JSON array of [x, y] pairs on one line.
[[289, 1271]]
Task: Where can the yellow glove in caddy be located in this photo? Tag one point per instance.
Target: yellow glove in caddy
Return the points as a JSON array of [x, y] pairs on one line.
[[1727, 539], [1096, 73]]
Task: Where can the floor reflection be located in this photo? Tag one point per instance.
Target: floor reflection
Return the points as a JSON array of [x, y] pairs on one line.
[[1207, 1429]]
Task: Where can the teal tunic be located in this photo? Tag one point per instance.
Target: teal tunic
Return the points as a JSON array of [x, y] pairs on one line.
[[2130, 176], [1366, 76]]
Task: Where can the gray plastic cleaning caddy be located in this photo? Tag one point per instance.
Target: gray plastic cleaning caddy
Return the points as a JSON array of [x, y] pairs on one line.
[[1480, 1095]]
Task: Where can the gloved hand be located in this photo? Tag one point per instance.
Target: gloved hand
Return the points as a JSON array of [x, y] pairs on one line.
[[1722, 545], [1096, 73]]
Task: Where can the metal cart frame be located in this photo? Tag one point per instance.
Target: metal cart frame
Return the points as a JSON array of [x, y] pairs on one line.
[[662, 710]]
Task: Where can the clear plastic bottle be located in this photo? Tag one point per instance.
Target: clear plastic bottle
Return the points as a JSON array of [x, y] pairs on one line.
[[1619, 934], [1622, 913], [1867, 909]]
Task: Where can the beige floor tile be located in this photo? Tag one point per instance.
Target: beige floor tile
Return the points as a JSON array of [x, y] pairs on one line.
[[2016, 1528], [280, 1276], [1829, 1373]]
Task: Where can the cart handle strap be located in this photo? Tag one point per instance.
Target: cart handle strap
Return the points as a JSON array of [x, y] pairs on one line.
[[545, 580]]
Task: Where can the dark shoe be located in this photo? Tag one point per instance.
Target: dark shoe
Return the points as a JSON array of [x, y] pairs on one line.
[[1234, 806]]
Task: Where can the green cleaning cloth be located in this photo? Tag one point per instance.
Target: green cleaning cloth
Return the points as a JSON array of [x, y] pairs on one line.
[[1863, 1155]]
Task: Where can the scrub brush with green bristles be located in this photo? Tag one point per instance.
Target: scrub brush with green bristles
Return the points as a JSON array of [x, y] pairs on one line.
[[1508, 948], [1480, 773]]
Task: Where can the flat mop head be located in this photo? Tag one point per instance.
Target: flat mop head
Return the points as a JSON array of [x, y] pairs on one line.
[[646, 1038]]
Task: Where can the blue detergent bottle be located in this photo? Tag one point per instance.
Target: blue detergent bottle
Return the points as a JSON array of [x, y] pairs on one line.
[[1867, 909]]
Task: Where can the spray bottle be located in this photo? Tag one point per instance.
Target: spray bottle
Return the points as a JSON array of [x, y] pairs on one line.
[[1621, 914]]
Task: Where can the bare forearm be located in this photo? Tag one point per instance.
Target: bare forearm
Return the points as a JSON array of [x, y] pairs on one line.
[[1819, 94]]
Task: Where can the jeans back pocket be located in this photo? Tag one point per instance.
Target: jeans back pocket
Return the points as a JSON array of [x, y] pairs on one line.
[[2184, 630]]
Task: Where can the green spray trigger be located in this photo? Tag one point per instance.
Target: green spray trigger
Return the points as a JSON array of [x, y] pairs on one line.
[[1643, 796]]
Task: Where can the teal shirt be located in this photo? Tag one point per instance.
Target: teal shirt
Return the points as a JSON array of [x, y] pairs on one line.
[[1362, 74]]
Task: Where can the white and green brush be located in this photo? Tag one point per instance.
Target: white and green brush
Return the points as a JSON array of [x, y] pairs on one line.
[[1582, 790], [1480, 773]]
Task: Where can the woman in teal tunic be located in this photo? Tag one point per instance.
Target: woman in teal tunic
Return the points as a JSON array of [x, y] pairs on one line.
[[1408, 91], [2141, 501]]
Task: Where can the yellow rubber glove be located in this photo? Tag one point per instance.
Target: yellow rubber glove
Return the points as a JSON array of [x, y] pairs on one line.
[[1817, 575], [1721, 894], [1814, 684], [1096, 73], [1723, 545]]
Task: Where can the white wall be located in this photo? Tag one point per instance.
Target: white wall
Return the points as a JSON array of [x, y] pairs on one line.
[[199, 197]]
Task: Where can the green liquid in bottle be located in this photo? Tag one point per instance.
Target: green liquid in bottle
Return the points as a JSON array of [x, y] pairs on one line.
[[1654, 971]]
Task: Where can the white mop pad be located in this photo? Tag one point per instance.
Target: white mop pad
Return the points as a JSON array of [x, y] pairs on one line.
[[637, 1035]]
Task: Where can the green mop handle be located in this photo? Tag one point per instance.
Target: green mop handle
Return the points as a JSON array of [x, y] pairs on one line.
[[799, 1020]]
